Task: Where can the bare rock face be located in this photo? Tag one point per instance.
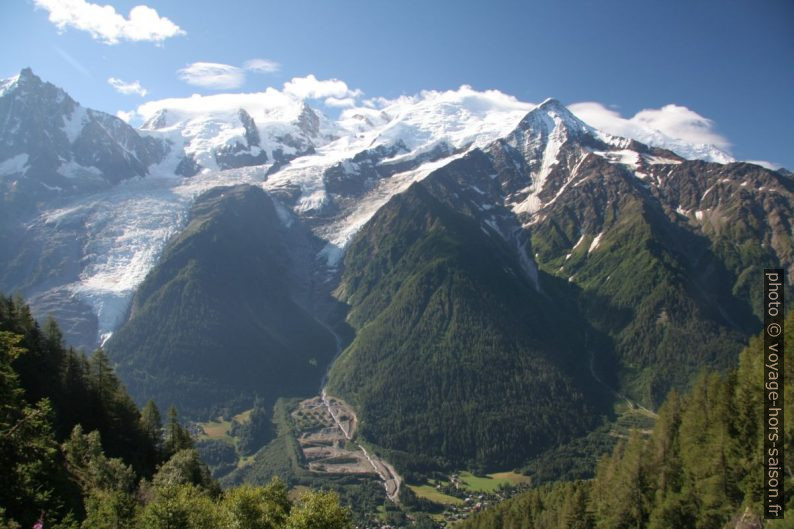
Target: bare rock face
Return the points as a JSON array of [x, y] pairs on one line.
[[60, 147]]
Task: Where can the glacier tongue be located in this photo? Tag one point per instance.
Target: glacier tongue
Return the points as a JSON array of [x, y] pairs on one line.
[[403, 140], [127, 228]]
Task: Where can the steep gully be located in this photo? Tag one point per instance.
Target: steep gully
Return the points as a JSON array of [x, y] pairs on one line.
[[619, 396], [387, 473]]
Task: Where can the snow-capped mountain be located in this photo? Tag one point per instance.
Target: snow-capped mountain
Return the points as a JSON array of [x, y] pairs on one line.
[[85, 248], [49, 143], [228, 131]]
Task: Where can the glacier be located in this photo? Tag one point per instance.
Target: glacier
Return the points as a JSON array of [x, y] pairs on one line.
[[128, 224]]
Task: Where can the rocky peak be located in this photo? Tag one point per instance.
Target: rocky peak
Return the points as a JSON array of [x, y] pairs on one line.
[[551, 114], [251, 132], [158, 121], [308, 121]]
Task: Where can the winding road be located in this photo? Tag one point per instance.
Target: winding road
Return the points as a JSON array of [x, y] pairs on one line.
[[386, 472]]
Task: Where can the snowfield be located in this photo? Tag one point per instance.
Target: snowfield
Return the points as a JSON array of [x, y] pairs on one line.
[[128, 225]]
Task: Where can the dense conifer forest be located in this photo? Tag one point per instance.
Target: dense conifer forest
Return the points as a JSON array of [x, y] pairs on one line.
[[75, 450], [701, 467]]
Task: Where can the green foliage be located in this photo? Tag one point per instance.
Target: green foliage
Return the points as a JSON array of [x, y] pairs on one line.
[[180, 506], [456, 355], [91, 468], [219, 455], [214, 323], [185, 467], [663, 318], [109, 510], [257, 507], [82, 484], [701, 468], [176, 436], [28, 450], [254, 433], [50, 394], [79, 391], [319, 510]]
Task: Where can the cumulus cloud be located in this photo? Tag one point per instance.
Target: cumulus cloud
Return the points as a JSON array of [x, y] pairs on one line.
[[333, 92], [127, 88], [125, 116], [310, 87], [261, 65], [103, 23], [343, 102], [272, 104], [212, 75], [675, 121]]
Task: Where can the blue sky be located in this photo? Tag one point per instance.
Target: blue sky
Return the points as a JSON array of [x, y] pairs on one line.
[[729, 61]]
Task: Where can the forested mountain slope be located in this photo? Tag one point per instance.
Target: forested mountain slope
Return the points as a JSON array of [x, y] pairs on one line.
[[216, 322], [702, 467]]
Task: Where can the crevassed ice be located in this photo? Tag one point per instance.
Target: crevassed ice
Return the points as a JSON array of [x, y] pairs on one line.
[[127, 229]]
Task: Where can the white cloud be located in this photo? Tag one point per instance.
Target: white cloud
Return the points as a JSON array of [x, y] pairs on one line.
[[334, 92], [212, 75], [269, 104], [340, 102], [261, 65], [218, 75], [767, 165], [675, 121], [310, 87], [125, 116], [127, 88], [106, 25]]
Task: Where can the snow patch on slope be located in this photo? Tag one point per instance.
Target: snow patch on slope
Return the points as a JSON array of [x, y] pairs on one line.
[[625, 157], [15, 164], [74, 123], [463, 119], [595, 243], [127, 229]]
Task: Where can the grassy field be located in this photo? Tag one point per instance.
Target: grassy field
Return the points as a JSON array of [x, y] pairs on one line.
[[491, 482], [219, 429], [430, 493], [245, 461]]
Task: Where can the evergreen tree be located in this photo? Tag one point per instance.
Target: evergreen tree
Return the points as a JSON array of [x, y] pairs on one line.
[[28, 451], [574, 513], [95, 479], [152, 424], [186, 467], [102, 376], [176, 436]]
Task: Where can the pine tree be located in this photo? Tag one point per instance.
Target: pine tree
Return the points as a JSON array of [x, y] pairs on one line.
[[28, 450], [574, 513], [53, 337], [102, 376], [152, 424], [176, 436]]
